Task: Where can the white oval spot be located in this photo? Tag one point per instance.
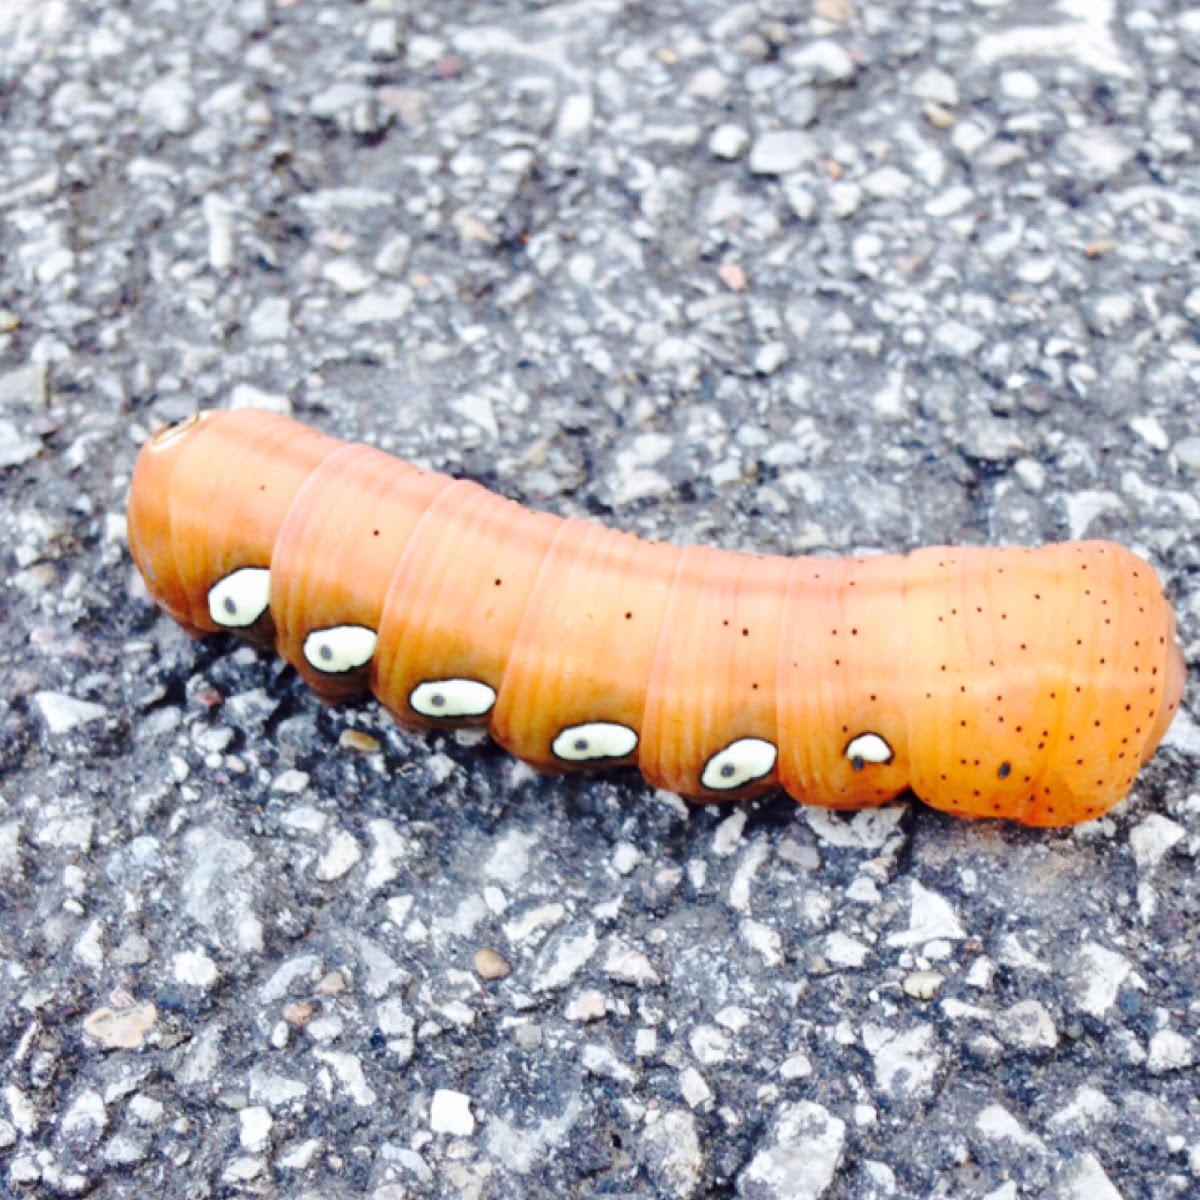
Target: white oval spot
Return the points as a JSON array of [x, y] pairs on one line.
[[596, 739], [868, 748], [452, 698], [340, 648], [240, 598], [740, 763]]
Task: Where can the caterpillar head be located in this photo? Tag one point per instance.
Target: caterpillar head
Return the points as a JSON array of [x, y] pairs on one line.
[[206, 501], [148, 514]]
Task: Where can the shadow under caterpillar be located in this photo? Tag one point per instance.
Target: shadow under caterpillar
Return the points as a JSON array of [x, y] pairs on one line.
[[1007, 682]]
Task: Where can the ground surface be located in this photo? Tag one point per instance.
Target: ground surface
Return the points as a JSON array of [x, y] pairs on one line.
[[848, 275]]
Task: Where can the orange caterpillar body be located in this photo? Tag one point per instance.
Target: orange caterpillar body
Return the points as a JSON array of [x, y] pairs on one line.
[[1029, 684]]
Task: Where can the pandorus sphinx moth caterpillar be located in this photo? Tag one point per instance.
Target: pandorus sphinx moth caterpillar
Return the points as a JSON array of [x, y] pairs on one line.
[[1022, 683]]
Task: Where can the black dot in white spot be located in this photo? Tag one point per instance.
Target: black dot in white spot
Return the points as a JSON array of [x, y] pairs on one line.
[[581, 744], [438, 700], [727, 771], [858, 762], [230, 606], [326, 652]]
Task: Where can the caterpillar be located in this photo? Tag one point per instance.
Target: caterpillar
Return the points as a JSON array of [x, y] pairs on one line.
[[1029, 684]]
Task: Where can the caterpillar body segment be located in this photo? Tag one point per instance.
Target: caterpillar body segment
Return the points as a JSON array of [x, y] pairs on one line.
[[1007, 682], [180, 514]]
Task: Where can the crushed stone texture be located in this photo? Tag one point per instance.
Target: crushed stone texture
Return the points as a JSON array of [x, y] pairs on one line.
[[834, 277]]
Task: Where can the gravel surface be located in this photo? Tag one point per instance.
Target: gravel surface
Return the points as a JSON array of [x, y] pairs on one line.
[[844, 275]]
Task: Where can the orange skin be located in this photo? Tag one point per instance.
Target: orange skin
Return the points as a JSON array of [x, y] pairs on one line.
[[1028, 684]]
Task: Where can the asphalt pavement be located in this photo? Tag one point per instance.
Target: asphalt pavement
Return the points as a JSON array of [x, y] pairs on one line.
[[834, 277]]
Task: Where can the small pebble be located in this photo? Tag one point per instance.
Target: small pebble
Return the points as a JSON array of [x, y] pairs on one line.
[[1019, 85], [625, 858], [799, 199], [359, 741], [845, 199], [729, 141], [937, 86], [271, 320], [771, 357], [1027, 1025], [923, 985], [1098, 247], [383, 38], [393, 255], [245, 395], [589, 1005], [196, 969], [733, 277], [168, 104], [347, 276], [337, 99], [29, 387], [575, 117], [298, 1013], [450, 1112], [491, 964], [823, 61], [256, 1124], [1169, 1051], [1153, 839], [956, 339], [62, 714], [341, 856], [332, 984], [837, 11], [1187, 454], [802, 1157], [121, 1029], [887, 183], [1150, 430], [795, 1066], [16, 447], [782, 151]]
